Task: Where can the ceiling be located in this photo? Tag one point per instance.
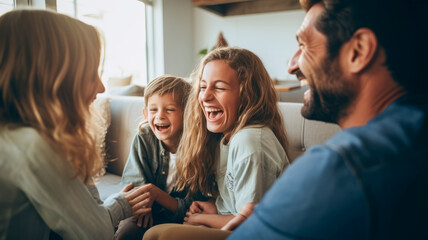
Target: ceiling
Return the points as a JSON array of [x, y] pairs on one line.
[[242, 7]]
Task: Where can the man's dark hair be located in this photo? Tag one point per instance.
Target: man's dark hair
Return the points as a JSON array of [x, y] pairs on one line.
[[400, 28]]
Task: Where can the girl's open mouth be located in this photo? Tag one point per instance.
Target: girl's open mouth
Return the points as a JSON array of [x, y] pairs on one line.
[[162, 127], [214, 113]]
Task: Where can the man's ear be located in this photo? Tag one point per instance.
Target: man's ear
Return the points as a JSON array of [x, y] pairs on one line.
[[363, 47], [145, 113]]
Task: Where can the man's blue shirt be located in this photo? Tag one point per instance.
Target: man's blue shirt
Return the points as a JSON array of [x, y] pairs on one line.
[[368, 182]]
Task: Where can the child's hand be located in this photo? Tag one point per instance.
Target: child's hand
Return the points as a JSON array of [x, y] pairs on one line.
[[197, 213], [194, 219], [145, 221], [203, 207]]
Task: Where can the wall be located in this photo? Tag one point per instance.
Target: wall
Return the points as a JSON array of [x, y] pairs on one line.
[[172, 43], [178, 36], [272, 36], [180, 30]]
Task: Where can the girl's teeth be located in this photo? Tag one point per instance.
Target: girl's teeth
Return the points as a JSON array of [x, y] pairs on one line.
[[214, 115], [162, 127]]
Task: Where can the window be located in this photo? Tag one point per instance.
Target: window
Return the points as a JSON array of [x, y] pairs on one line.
[[6, 5], [122, 24]]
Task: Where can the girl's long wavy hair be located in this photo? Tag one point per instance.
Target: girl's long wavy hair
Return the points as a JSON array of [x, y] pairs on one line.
[[48, 61], [196, 166]]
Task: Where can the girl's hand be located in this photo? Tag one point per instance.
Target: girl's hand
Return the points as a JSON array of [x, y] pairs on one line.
[[195, 219], [207, 220], [145, 221], [203, 207], [245, 213]]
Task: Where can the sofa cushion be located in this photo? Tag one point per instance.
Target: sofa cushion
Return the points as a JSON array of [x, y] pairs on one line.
[[126, 113], [130, 90], [109, 184], [303, 133]]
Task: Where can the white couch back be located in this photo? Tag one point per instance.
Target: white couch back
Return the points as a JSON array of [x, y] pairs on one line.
[[126, 113], [303, 133]]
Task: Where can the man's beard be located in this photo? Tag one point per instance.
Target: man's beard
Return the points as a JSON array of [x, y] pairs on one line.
[[330, 94]]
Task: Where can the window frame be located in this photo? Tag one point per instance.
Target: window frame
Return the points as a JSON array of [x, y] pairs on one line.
[[148, 28]]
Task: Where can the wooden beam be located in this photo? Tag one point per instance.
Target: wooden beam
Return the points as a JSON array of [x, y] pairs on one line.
[[216, 9], [241, 7], [215, 2], [261, 7]]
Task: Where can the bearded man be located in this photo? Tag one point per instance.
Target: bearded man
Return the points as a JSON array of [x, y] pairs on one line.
[[364, 61]]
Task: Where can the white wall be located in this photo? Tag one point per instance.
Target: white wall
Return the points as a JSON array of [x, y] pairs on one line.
[[272, 36], [172, 43], [178, 37], [155, 40], [181, 30]]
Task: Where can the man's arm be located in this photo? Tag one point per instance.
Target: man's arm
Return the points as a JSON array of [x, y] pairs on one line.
[[318, 196]]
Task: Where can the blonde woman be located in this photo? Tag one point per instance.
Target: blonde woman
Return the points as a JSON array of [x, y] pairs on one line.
[[48, 78], [233, 136]]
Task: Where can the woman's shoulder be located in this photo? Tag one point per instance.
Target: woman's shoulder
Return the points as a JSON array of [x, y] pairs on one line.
[[252, 138], [252, 133], [255, 142], [20, 137], [24, 146]]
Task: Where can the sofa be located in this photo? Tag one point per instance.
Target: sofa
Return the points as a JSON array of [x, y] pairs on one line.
[[125, 112]]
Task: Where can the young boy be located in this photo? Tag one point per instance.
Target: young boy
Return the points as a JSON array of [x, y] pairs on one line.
[[152, 156]]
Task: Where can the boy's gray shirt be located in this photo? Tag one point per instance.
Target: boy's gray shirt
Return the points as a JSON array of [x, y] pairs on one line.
[[148, 162]]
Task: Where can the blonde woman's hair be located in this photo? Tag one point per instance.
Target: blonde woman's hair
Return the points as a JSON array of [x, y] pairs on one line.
[[196, 161], [177, 86], [47, 62]]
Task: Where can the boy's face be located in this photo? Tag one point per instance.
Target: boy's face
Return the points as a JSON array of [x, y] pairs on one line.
[[165, 117]]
